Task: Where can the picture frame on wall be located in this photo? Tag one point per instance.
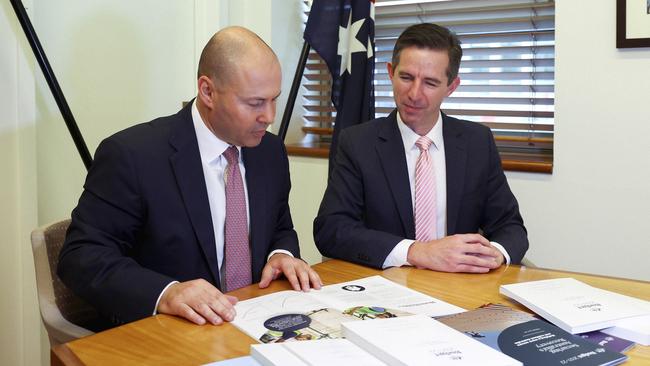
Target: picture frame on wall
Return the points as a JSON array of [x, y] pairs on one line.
[[632, 23]]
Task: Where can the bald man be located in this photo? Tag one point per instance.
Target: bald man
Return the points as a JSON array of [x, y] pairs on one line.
[[177, 211]]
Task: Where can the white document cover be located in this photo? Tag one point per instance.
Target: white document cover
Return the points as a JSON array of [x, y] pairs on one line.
[[420, 340], [575, 306], [323, 352], [635, 329]]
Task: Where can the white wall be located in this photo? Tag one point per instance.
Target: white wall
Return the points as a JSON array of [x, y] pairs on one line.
[[20, 329], [590, 214], [118, 63]]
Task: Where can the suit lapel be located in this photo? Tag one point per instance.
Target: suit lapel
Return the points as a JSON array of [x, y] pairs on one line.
[[186, 164], [455, 160], [390, 149], [256, 185]]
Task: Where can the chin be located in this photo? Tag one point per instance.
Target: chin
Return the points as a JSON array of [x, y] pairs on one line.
[[253, 142]]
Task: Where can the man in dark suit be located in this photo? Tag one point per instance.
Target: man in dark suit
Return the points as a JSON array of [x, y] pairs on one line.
[[179, 210], [418, 187]]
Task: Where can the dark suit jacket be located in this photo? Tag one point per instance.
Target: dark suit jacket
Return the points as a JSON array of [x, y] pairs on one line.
[[367, 209], [143, 219]]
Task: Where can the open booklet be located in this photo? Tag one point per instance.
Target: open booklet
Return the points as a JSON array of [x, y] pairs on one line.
[[575, 306], [318, 314], [412, 340], [536, 342]]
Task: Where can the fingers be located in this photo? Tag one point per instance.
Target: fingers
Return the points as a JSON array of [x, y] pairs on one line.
[[470, 253], [296, 271], [209, 312], [185, 311], [314, 278], [473, 238], [290, 273], [197, 301], [232, 299], [267, 276]]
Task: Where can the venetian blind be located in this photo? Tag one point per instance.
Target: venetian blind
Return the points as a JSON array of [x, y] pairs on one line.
[[507, 72]]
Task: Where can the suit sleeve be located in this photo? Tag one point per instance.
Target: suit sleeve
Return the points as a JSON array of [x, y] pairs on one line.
[[340, 229], [284, 236], [502, 221], [94, 261]]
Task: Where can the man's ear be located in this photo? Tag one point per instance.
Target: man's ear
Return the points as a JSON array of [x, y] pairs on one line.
[[391, 70], [206, 91], [454, 84]]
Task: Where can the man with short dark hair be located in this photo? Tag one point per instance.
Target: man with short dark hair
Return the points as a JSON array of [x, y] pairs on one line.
[[179, 210], [418, 187]]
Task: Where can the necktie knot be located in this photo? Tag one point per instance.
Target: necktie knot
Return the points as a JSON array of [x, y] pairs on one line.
[[423, 143], [232, 155]]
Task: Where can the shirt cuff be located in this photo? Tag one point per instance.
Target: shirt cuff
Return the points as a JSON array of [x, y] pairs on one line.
[[502, 250], [155, 309], [279, 251], [398, 256]]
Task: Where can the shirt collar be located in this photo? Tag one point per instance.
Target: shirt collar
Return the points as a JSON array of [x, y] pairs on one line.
[[409, 137], [210, 146]]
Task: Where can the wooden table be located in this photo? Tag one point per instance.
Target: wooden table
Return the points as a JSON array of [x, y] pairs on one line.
[[167, 340]]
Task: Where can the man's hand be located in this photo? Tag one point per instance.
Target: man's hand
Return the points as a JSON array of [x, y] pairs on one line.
[[197, 301], [457, 253], [297, 272]]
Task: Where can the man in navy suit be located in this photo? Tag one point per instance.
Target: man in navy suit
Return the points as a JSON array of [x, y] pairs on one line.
[[369, 211], [147, 235]]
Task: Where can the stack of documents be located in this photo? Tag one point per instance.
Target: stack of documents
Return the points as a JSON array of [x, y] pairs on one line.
[[577, 307], [413, 340]]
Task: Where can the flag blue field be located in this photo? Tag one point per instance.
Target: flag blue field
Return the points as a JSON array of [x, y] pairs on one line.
[[343, 34]]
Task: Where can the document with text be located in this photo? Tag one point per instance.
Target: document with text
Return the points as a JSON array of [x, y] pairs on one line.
[[318, 314], [575, 306]]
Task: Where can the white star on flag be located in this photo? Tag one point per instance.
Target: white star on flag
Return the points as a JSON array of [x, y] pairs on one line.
[[349, 44]]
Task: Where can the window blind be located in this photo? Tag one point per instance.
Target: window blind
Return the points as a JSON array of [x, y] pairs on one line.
[[507, 73]]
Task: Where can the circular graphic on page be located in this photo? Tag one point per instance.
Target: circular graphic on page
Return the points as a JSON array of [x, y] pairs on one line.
[[353, 288], [316, 324]]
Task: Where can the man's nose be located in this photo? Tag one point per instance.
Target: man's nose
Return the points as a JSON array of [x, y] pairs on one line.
[[414, 90], [268, 114]]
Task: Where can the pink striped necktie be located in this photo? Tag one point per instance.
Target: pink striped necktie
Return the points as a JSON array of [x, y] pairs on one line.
[[237, 251], [425, 193]]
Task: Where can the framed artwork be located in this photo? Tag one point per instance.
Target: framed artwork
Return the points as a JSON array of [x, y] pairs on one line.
[[632, 23]]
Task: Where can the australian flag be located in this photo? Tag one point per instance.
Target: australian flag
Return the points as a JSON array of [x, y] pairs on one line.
[[343, 34]]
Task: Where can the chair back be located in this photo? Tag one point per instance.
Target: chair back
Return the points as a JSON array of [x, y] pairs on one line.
[[61, 310]]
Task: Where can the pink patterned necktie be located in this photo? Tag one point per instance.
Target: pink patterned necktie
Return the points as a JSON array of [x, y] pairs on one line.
[[237, 251], [425, 193]]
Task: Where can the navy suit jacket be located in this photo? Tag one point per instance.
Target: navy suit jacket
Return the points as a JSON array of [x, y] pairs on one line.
[[143, 219], [367, 207]]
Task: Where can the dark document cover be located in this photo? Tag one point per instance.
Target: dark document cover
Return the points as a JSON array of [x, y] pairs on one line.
[[528, 339]]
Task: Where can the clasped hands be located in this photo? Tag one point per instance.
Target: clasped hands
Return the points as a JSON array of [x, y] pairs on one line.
[[199, 301], [456, 253]]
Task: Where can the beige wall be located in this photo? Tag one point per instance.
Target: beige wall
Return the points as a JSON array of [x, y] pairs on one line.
[[20, 329], [118, 63], [590, 214]]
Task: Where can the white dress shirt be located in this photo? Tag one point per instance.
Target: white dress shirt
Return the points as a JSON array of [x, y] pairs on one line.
[[214, 164], [398, 256]]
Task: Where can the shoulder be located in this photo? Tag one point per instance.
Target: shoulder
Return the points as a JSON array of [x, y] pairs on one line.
[[152, 136], [159, 128], [271, 144], [367, 129]]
